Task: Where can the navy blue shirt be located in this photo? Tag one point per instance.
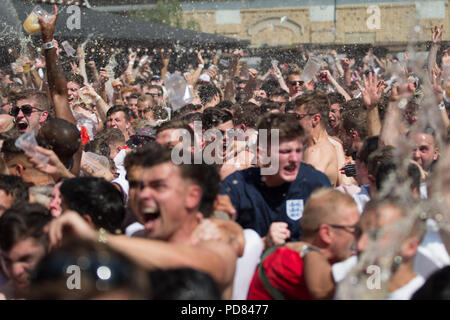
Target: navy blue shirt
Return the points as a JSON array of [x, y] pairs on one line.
[[258, 205]]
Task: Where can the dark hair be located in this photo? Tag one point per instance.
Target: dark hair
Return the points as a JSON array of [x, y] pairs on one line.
[[378, 157], [270, 86], [15, 186], [286, 124], [133, 96], [74, 77], [50, 277], [205, 176], [187, 109], [191, 117], [247, 114], [213, 117], [183, 284], [21, 221], [354, 118], [390, 167], [336, 97], [370, 144], [136, 156], [119, 108], [226, 104], [315, 102], [9, 150], [437, 286], [268, 106], [207, 92], [96, 198], [280, 93]]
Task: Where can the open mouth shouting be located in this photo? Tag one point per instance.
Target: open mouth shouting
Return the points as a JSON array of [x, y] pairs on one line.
[[22, 125], [291, 169], [150, 216]]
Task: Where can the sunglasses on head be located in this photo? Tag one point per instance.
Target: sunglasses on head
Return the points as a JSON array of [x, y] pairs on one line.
[[27, 110], [300, 83]]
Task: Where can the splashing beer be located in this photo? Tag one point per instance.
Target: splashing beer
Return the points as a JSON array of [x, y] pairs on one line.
[[31, 24]]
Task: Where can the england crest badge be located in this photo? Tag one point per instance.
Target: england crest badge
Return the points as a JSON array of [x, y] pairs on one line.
[[294, 209]]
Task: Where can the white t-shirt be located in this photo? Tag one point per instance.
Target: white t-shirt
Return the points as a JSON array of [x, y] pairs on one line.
[[362, 197], [431, 254], [406, 292], [247, 264]]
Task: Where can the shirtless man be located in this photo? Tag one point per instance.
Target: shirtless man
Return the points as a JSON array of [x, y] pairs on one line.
[[312, 110], [170, 201]]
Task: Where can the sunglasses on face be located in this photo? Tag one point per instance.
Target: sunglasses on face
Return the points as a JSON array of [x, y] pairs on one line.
[[153, 94], [297, 83], [27, 110], [301, 116]]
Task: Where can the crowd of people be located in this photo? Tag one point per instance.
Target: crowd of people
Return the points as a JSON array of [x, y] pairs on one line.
[[194, 181]]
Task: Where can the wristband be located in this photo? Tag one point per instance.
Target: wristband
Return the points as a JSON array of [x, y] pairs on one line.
[[33, 68], [130, 62], [97, 98], [201, 65], [441, 106], [279, 77], [48, 45], [306, 249]]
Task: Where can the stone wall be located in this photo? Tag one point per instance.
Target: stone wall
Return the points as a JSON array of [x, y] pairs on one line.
[[287, 26]]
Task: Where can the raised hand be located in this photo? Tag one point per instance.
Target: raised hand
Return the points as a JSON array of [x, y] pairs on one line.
[[372, 90], [48, 25], [74, 67], [199, 57], [436, 86], [436, 34]]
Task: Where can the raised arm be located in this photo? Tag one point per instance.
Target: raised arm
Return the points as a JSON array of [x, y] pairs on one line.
[[336, 85], [436, 37], [213, 257], [371, 94], [56, 81]]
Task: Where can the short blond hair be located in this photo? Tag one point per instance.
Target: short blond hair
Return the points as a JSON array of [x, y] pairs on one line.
[[323, 207]]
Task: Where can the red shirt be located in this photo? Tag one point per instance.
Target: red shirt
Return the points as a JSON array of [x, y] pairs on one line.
[[284, 269]]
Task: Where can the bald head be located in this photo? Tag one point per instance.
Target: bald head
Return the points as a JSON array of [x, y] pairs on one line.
[[61, 136]]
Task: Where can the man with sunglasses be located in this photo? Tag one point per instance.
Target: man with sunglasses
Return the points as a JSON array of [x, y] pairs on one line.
[[30, 110], [156, 94], [302, 270], [295, 84]]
